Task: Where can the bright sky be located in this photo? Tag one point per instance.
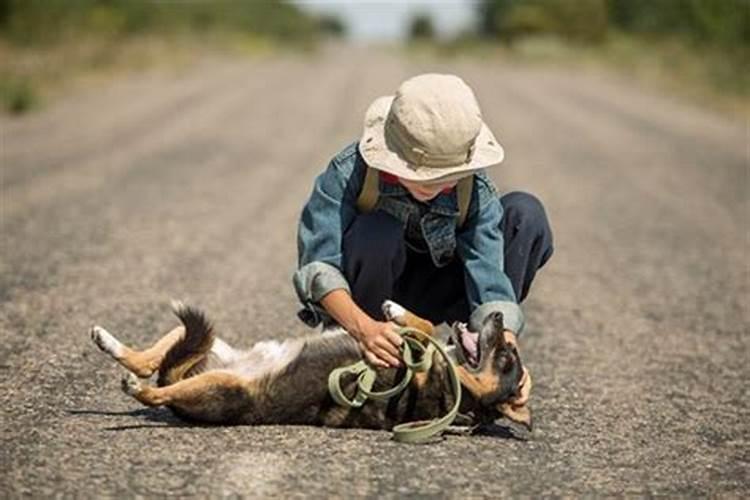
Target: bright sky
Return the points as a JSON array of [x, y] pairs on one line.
[[383, 20]]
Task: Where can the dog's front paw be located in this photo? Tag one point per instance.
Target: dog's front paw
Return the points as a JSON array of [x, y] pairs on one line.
[[106, 341], [394, 312], [130, 384]]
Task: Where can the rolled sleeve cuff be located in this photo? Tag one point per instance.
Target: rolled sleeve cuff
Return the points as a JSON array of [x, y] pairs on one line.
[[513, 319], [312, 282]]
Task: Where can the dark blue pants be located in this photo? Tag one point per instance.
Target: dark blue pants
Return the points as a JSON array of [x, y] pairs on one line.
[[379, 266]]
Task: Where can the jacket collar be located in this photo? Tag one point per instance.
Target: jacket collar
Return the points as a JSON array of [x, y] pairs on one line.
[[445, 203]]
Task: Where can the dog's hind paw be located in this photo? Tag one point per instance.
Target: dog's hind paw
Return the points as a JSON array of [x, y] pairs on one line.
[[130, 384], [106, 341], [394, 312]]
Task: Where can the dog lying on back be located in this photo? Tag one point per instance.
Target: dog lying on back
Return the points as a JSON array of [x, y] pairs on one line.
[[201, 378]]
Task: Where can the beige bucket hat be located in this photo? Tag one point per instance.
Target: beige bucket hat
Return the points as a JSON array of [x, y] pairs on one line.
[[430, 131]]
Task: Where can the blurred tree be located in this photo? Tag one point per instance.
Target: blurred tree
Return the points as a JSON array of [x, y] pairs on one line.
[[723, 22], [493, 16], [46, 21], [579, 20], [5, 10], [720, 22], [421, 28], [332, 25]]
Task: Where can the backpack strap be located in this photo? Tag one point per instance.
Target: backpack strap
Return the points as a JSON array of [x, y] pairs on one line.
[[464, 189], [370, 192]]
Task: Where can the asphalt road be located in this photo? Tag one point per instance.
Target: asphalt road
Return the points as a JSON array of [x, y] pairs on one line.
[[188, 185]]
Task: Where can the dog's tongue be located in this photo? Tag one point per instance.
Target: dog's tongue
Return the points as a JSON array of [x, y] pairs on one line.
[[469, 342]]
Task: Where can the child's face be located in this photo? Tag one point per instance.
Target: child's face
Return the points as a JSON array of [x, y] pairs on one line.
[[425, 192]]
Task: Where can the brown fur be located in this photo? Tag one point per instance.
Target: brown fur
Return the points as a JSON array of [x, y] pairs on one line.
[[479, 385], [146, 363]]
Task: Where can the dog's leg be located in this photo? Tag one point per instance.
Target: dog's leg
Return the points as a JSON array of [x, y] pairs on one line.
[[396, 313], [142, 363], [213, 396]]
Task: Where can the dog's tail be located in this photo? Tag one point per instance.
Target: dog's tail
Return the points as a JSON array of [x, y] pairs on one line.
[[190, 349]]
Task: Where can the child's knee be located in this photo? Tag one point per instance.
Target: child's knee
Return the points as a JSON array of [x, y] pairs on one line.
[[526, 213]]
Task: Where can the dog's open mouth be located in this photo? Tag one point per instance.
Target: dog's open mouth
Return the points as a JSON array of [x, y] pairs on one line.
[[468, 345]]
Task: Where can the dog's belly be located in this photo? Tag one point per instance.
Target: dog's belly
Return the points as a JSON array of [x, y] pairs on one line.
[[264, 359]]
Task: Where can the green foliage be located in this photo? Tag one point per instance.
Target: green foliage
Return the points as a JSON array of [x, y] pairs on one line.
[[421, 28], [29, 22], [17, 95], [721, 22], [331, 25], [716, 22], [579, 20], [493, 17]]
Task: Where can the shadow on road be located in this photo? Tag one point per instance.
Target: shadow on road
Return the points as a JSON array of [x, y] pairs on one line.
[[160, 417], [503, 431]]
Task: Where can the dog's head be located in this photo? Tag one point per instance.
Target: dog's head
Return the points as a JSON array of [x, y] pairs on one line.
[[490, 369]]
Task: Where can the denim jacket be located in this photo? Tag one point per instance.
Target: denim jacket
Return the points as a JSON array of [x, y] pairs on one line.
[[478, 243]]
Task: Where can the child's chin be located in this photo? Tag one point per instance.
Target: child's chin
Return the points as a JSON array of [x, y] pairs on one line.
[[423, 197]]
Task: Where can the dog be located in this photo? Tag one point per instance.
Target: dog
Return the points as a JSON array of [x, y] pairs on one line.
[[203, 379]]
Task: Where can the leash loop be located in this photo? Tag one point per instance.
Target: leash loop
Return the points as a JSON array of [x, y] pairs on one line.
[[417, 358]]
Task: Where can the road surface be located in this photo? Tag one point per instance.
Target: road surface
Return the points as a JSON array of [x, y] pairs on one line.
[[188, 185]]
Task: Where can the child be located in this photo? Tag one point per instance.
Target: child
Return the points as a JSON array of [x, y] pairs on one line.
[[408, 214]]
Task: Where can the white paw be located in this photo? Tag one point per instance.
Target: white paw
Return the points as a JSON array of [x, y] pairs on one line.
[[130, 384], [106, 341], [394, 312]]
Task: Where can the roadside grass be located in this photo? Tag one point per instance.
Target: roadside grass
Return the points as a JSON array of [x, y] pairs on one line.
[[712, 77], [17, 95], [719, 79], [32, 76]]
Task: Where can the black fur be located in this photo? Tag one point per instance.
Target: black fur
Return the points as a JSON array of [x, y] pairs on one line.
[[197, 341]]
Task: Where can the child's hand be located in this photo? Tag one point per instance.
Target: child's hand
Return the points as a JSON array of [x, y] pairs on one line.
[[525, 385], [524, 389], [380, 343]]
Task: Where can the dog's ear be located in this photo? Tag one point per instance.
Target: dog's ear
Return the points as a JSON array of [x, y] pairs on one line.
[[518, 414]]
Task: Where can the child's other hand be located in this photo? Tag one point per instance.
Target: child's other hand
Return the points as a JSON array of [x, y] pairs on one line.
[[525, 389]]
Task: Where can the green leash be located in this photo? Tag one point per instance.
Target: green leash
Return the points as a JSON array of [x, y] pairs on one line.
[[411, 349]]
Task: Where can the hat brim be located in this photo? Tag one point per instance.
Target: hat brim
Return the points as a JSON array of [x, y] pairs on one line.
[[375, 151]]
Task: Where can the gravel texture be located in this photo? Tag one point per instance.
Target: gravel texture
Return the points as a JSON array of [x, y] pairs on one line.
[[188, 185]]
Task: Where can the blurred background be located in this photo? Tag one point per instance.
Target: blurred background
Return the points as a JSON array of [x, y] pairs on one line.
[[154, 149], [696, 48]]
